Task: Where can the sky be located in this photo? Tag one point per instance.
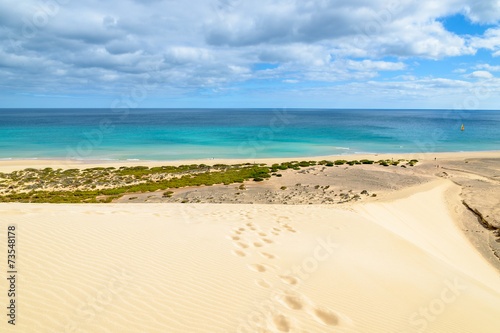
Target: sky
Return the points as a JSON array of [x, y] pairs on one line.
[[410, 54]]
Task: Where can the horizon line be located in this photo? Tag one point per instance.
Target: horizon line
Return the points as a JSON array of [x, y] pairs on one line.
[[236, 108]]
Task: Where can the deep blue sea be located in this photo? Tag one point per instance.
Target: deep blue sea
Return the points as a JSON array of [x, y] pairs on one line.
[[174, 134]]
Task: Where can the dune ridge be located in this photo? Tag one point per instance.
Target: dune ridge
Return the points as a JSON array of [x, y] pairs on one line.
[[401, 265]]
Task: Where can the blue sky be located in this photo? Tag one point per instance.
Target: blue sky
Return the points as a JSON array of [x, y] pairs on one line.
[[236, 53]]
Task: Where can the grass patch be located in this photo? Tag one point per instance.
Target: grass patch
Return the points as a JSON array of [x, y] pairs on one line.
[[102, 185]]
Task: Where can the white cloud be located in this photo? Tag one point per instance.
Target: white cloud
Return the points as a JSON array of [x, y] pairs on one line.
[[487, 67], [480, 75], [105, 46], [375, 65], [406, 77], [483, 11], [490, 40], [180, 55], [422, 93]]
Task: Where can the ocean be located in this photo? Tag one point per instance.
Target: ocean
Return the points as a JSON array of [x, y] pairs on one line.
[[178, 134]]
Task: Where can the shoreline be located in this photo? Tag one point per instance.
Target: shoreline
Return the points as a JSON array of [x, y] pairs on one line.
[[15, 164]]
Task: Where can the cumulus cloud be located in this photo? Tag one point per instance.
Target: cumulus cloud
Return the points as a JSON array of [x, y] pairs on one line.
[[488, 67], [375, 65], [483, 11], [105, 47], [352, 28], [490, 40], [480, 75]]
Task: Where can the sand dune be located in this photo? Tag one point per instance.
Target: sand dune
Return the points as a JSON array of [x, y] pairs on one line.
[[399, 266]]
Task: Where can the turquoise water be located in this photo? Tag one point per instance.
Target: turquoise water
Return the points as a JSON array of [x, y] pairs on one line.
[[174, 134]]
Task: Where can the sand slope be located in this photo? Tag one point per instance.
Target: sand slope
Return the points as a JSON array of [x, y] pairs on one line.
[[400, 266]]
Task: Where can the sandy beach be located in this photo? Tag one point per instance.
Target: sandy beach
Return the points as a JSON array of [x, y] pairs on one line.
[[229, 166], [413, 258], [19, 164]]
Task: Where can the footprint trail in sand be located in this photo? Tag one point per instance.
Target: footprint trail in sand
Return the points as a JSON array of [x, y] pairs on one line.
[[250, 241]]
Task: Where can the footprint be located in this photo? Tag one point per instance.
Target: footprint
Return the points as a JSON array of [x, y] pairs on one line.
[[268, 241], [123, 212], [262, 234], [237, 232], [257, 244], [239, 253], [275, 233], [326, 316], [292, 302], [267, 255], [236, 238], [241, 229], [276, 229], [249, 224], [263, 283], [272, 266], [288, 279], [281, 322], [257, 268], [253, 228], [241, 244], [89, 213]]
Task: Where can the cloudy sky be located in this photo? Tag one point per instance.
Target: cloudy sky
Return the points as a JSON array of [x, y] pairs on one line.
[[242, 53]]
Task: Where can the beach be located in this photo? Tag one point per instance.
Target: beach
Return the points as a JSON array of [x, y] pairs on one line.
[[229, 166], [19, 164], [413, 258]]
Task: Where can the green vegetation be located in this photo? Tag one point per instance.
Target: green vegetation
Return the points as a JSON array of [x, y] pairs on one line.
[[102, 185], [150, 180]]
